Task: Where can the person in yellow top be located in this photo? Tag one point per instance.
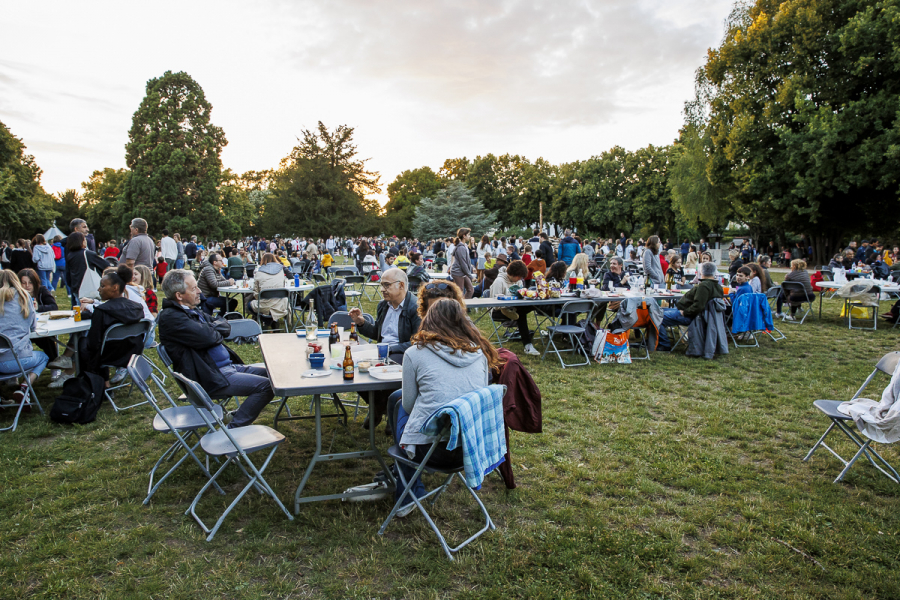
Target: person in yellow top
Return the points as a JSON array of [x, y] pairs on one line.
[[489, 261], [402, 261], [327, 260], [283, 259]]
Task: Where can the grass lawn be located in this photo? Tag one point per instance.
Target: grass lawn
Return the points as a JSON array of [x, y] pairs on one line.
[[669, 478]]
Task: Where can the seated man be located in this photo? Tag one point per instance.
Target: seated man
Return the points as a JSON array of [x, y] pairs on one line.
[[514, 274], [193, 341], [396, 321], [692, 304], [210, 281]]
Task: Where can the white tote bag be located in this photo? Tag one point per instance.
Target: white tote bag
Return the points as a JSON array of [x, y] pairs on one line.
[[90, 285]]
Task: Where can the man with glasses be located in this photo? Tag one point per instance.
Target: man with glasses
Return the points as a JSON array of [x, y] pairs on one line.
[[395, 323], [210, 281]]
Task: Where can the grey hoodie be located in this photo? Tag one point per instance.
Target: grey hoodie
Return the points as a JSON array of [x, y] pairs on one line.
[[432, 377]]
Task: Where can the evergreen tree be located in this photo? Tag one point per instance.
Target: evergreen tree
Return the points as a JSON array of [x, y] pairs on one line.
[[173, 153], [449, 209], [405, 193]]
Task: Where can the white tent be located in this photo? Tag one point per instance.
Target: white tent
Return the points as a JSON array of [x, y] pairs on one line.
[[53, 232]]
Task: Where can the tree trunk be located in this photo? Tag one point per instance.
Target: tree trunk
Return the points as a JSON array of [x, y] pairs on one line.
[[823, 245]]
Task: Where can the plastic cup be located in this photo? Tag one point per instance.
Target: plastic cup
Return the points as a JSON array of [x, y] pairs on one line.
[[383, 351]]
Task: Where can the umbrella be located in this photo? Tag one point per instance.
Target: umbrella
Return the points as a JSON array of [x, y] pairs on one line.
[[53, 232]]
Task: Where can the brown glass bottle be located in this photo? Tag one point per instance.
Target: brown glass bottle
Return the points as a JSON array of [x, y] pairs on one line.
[[333, 337], [354, 336], [348, 365]]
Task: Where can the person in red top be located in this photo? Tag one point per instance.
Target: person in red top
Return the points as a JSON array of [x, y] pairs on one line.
[[111, 250]]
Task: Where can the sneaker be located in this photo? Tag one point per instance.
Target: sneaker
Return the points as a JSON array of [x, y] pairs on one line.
[[119, 376], [58, 383], [54, 374], [19, 394], [63, 362], [789, 318], [405, 510], [530, 349], [374, 491]]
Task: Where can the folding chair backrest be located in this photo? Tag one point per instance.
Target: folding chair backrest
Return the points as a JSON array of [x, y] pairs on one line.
[[342, 318], [576, 307], [164, 357], [344, 273], [297, 270], [197, 396], [319, 278], [369, 318], [773, 292], [414, 282], [793, 286], [354, 279], [275, 293], [888, 363], [6, 344], [244, 328], [250, 270], [827, 275], [236, 272], [121, 332]]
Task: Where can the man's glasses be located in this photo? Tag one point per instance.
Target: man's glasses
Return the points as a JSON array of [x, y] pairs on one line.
[[386, 284], [437, 286]]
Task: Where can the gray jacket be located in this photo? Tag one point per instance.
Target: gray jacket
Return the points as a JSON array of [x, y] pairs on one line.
[[432, 377], [707, 334], [627, 317], [210, 280], [17, 328], [652, 267]]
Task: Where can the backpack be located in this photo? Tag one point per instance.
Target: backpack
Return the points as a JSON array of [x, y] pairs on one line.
[[80, 400], [57, 252]]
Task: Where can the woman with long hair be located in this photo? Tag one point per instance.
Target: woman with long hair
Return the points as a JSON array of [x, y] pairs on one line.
[[434, 291], [483, 246], [44, 259], [758, 281], [78, 260], [449, 358], [580, 264], [461, 265], [17, 321], [653, 269]]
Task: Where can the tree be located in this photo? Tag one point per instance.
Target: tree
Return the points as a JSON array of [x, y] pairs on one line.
[[455, 169], [25, 208], [238, 214], [103, 203], [647, 174], [69, 205], [174, 153], [495, 181], [405, 193], [449, 209], [534, 190], [321, 188]]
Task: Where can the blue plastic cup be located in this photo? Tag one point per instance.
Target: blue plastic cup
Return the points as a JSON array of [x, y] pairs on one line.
[[383, 351]]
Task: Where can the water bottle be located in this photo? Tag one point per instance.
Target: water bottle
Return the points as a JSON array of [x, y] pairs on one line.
[[244, 283], [296, 280]]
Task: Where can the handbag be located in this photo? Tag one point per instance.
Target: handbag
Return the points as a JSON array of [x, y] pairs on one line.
[[611, 347], [90, 285]]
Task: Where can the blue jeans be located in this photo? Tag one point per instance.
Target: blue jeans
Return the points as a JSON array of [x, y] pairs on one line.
[[252, 382], [60, 275], [222, 303], [671, 316], [33, 364], [179, 264], [45, 278]]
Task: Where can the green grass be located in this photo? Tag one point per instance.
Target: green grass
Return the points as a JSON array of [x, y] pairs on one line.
[[673, 478]]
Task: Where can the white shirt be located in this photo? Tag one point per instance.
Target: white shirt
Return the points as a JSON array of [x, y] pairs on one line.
[[169, 248], [390, 329]]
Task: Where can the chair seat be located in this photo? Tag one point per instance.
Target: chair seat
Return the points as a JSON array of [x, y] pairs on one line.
[[251, 438], [183, 418], [352, 293], [261, 365], [398, 453], [830, 408], [567, 329]]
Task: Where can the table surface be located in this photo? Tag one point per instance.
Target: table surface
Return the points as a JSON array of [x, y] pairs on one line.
[[495, 302], [59, 327], [234, 289], [885, 286], [286, 360]]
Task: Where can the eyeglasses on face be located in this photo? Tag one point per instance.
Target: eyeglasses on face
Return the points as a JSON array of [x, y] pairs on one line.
[[386, 284], [437, 286]]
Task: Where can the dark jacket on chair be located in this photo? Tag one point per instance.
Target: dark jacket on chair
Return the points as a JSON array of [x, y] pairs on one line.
[[408, 323], [188, 339], [521, 405], [707, 334]]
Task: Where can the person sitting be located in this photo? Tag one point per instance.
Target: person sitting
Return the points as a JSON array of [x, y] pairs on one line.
[[448, 357], [17, 321], [691, 304], [736, 263], [758, 278], [194, 342], [369, 263], [795, 298], [115, 308], [764, 263], [579, 265], [402, 262], [557, 272], [705, 257], [512, 275], [210, 281], [512, 253], [269, 276], [143, 279], [396, 320], [417, 268], [614, 278], [835, 262], [675, 272], [489, 261], [741, 284], [536, 265], [435, 290], [490, 274], [440, 262]]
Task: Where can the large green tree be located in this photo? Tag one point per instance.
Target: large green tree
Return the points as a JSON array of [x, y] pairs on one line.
[[495, 180], [322, 188], [449, 209], [103, 203], [25, 208], [404, 194], [174, 154]]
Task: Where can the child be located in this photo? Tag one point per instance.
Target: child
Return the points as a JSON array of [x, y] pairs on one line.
[[489, 261], [327, 260], [439, 262]]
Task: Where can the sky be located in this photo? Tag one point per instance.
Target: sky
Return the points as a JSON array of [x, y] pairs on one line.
[[420, 82]]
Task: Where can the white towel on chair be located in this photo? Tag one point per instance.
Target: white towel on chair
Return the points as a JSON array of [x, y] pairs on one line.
[[878, 421]]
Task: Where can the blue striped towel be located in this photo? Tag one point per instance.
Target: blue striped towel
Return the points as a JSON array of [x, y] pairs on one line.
[[477, 419]]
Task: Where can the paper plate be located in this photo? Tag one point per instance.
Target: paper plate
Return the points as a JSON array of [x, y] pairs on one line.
[[316, 373], [389, 373]]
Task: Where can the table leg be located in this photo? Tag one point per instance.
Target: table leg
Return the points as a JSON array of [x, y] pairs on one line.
[[821, 295]]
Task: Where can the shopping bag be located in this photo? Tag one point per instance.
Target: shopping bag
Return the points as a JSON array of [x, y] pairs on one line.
[[612, 347]]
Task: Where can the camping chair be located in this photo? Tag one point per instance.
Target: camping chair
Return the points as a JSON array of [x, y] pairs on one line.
[[234, 444], [122, 333], [350, 291], [575, 333], [870, 302], [184, 422], [789, 287], [30, 398], [844, 423], [276, 294], [399, 455]]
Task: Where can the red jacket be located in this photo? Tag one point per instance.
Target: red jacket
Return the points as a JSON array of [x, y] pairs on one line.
[[521, 405]]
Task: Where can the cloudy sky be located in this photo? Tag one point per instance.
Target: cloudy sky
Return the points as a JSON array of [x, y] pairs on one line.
[[419, 81]]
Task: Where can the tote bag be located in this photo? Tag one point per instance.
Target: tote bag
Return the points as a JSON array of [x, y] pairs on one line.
[[611, 347], [90, 285]]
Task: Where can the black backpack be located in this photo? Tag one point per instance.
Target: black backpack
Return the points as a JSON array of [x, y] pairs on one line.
[[80, 400]]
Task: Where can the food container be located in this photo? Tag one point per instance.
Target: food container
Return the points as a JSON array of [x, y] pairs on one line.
[[363, 366], [316, 359]]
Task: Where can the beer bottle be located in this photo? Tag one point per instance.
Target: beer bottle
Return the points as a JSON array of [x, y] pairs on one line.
[[333, 337], [348, 365], [354, 337]]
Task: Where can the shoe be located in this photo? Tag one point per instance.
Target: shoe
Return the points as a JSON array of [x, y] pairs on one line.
[[54, 374], [789, 318], [366, 422], [509, 324], [19, 394], [63, 362], [405, 510], [58, 383], [778, 315], [375, 491], [530, 349], [119, 376]]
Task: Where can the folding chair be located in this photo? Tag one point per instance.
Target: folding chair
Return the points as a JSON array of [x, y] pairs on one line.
[[319, 279], [872, 304], [184, 422], [343, 272], [840, 421], [399, 455], [274, 294], [236, 272], [234, 444], [414, 282], [120, 333], [574, 333], [350, 291], [371, 288], [795, 286], [244, 331], [30, 398]]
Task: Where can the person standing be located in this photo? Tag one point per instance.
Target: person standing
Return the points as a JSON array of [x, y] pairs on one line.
[[140, 248], [169, 249], [652, 266], [44, 259], [461, 269], [179, 255], [546, 247]]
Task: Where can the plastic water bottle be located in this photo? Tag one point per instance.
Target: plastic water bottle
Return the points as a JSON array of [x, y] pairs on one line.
[[296, 280], [244, 282]]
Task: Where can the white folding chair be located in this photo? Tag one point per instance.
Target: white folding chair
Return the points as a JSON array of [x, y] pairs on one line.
[[842, 422], [235, 445], [573, 332], [30, 399], [184, 422], [121, 333]]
